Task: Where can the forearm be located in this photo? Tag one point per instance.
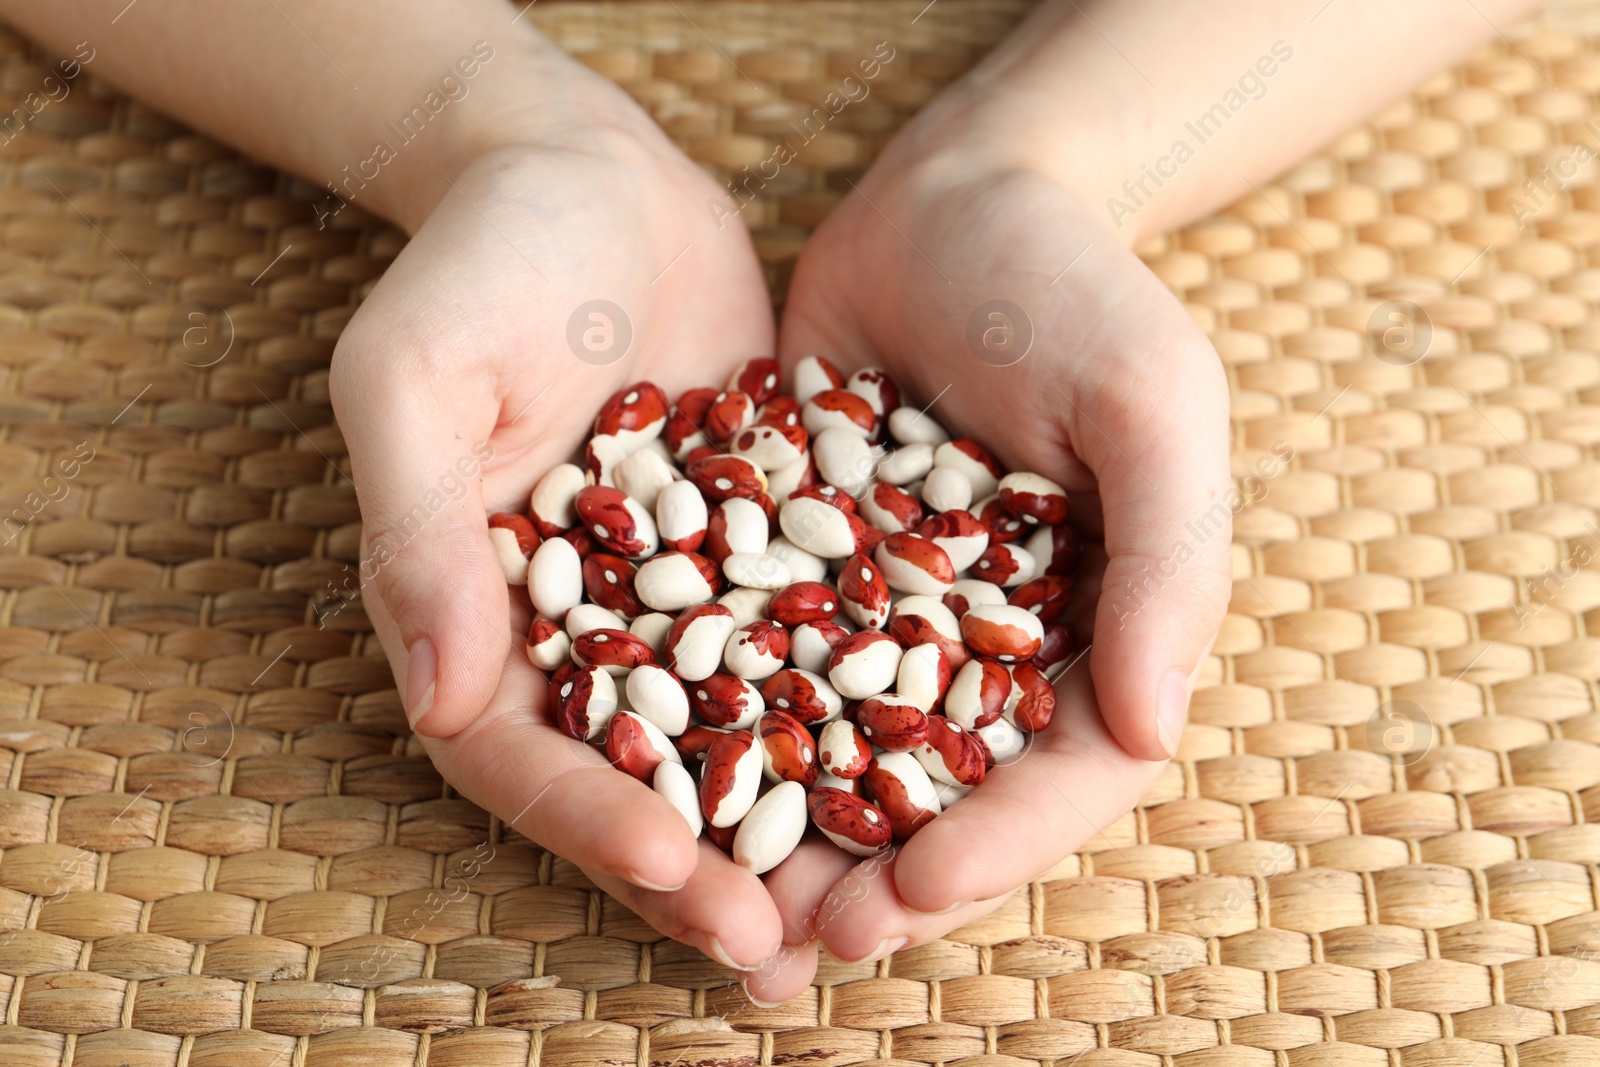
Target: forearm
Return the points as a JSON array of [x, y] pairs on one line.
[[379, 104], [1157, 111]]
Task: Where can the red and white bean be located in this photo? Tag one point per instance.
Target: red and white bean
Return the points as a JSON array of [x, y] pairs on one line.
[[720, 576]]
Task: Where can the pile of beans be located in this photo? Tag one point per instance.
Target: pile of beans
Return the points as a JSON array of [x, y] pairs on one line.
[[818, 601]]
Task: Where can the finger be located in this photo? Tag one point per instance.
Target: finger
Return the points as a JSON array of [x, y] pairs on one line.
[[1027, 815], [559, 793], [876, 923], [800, 886], [723, 910], [417, 451], [784, 977], [1158, 444]]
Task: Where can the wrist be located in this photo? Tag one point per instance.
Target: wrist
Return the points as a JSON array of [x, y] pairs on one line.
[[539, 97], [981, 127]]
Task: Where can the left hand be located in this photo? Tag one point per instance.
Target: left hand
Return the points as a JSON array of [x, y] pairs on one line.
[[1121, 399]]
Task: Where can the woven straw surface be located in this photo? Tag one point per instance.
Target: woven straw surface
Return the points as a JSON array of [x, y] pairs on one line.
[[1379, 846]]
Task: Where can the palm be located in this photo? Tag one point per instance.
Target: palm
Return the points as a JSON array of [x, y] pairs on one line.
[[1114, 365], [470, 328], [485, 293]]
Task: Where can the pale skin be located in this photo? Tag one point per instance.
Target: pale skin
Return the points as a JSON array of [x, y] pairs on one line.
[[546, 187]]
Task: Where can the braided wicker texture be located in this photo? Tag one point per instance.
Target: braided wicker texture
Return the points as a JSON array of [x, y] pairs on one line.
[[220, 846]]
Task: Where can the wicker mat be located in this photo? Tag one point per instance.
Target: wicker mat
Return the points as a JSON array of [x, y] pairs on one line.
[[1380, 845]]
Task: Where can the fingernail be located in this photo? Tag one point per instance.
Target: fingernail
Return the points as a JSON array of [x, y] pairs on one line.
[[715, 950], [941, 911], [744, 983], [422, 675], [885, 947], [645, 883], [1172, 705]]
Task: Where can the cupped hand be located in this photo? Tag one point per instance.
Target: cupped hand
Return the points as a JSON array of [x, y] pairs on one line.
[[456, 388], [996, 297]]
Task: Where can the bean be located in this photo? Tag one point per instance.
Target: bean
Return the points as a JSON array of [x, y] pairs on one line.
[[858, 827], [892, 722], [914, 564], [811, 644], [917, 620], [788, 752], [756, 377], [555, 578], [813, 375], [1033, 498], [673, 581], [757, 650], [819, 528], [1003, 741], [585, 617], [845, 459], [772, 448], [946, 489], [727, 700], [658, 697], [977, 696], [585, 703], [676, 785], [618, 521], [634, 414], [616, 650], [910, 427], [694, 644], [903, 791], [950, 754], [652, 628], [843, 750], [803, 566], [551, 506], [864, 664], [923, 584], [772, 828], [890, 509], [748, 605], [736, 526], [515, 540], [864, 592], [636, 746], [960, 534], [643, 475], [1007, 633], [756, 570], [807, 696], [974, 461], [838, 409], [681, 517], [731, 778], [548, 644], [924, 676], [1005, 565]]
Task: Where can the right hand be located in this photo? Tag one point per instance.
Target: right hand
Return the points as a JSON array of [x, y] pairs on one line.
[[460, 353]]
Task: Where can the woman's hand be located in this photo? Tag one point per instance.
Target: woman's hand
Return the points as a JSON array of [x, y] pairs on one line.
[[460, 361], [995, 296], [566, 194]]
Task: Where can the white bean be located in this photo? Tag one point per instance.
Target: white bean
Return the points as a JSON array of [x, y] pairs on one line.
[[772, 828], [677, 786], [555, 578]]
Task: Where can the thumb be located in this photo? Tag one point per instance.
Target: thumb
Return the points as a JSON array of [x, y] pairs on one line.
[[417, 456], [1168, 506]]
